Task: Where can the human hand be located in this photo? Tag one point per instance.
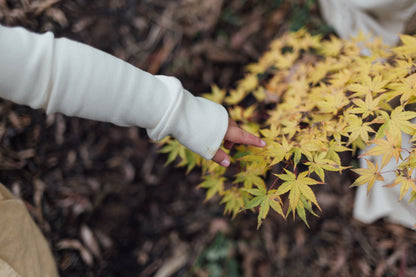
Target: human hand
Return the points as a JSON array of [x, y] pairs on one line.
[[233, 135]]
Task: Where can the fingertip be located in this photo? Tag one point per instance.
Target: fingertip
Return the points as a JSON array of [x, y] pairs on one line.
[[221, 158], [225, 162]]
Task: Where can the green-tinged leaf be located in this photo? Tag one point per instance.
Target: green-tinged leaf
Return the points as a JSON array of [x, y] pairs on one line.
[[300, 210], [214, 185], [320, 164], [368, 175], [250, 178], [174, 149], [233, 201], [297, 185], [412, 197], [190, 160]]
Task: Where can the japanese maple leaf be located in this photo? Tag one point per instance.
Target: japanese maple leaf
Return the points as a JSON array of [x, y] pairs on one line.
[[266, 200], [406, 88], [297, 185], [290, 127], [368, 85], [402, 68], [408, 47], [248, 83], [389, 148], [173, 148], [319, 164], [318, 72], [366, 107], [331, 47], [334, 148], [357, 128], [333, 102], [235, 97], [213, 184], [286, 60], [278, 151], [190, 160], [300, 209], [250, 177], [367, 175], [271, 133], [407, 182], [233, 201], [410, 161], [396, 122], [340, 78], [217, 95]]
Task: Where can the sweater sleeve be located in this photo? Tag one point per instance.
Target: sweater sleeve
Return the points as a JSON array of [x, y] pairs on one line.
[[60, 75]]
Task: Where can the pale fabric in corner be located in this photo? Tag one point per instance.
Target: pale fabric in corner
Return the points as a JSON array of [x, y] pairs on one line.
[[24, 251], [386, 19], [382, 18], [381, 201]]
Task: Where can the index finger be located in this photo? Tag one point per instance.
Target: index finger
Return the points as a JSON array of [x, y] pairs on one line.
[[238, 135]]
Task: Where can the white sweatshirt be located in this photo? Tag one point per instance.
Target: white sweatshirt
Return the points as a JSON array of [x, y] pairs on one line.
[[60, 75]]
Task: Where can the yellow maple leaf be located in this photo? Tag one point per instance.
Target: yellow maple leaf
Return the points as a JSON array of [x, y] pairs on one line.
[[277, 152], [217, 95], [399, 120], [235, 96], [174, 149], [290, 127], [335, 147], [409, 161], [357, 129], [286, 60], [389, 148], [233, 201], [249, 112], [213, 184], [250, 177], [331, 47], [406, 182], [332, 102], [408, 48], [319, 164], [402, 68], [406, 89], [318, 72], [367, 107], [340, 78], [260, 94], [368, 85], [367, 175], [297, 186], [271, 133], [264, 199], [249, 83]]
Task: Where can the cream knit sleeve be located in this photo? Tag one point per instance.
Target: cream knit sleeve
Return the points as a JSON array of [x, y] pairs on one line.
[[60, 75]]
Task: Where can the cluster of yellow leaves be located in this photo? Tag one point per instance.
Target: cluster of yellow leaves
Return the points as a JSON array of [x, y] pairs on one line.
[[311, 99]]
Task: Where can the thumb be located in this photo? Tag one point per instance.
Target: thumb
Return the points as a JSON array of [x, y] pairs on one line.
[[221, 158]]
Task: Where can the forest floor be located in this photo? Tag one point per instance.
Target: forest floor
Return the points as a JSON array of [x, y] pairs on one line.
[[104, 199]]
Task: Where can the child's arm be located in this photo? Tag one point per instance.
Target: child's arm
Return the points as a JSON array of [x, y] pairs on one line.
[[60, 75]]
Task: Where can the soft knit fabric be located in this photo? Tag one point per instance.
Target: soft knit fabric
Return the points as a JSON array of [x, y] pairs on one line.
[[60, 75], [382, 18]]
